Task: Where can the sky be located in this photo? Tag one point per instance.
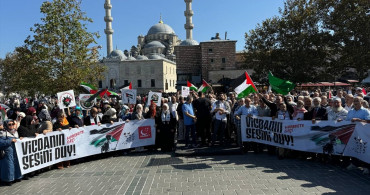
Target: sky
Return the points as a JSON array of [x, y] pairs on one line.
[[132, 18]]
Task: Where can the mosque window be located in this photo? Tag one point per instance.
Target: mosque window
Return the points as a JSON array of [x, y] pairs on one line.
[[210, 50], [112, 83], [166, 87], [126, 82], [138, 83], [152, 83], [223, 60], [100, 84], [212, 60]]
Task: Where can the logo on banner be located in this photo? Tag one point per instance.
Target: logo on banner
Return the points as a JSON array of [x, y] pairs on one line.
[[145, 132], [361, 145]]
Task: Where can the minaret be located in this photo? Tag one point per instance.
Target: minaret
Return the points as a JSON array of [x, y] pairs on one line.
[[108, 30], [189, 25]]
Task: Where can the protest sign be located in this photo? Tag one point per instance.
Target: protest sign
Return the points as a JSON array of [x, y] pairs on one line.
[[86, 105], [155, 97], [329, 137], [66, 99], [185, 91], [128, 96], [45, 150]]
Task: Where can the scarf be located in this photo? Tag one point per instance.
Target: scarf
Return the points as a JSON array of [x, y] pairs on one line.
[[166, 116], [92, 120], [64, 122]]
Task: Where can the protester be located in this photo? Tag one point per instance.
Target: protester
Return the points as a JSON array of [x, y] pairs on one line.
[[337, 112], [189, 122], [166, 125], [181, 127], [9, 166], [62, 124], [93, 118], [202, 108]]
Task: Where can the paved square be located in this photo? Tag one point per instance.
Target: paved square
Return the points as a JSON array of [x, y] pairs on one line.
[[162, 173]]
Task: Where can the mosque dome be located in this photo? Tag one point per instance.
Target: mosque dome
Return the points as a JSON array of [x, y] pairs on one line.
[[117, 54], [140, 57], [161, 28], [131, 58], [155, 57], [154, 44], [189, 42]]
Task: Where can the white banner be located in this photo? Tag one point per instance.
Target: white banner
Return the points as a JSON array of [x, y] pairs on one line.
[[128, 96], [66, 99], [46, 150], [155, 97], [338, 138], [84, 104], [185, 91]]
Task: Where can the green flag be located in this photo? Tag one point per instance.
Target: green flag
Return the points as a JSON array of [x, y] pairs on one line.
[[279, 85]]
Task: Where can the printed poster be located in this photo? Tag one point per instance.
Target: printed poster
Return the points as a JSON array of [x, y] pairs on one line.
[[84, 104], [66, 99], [155, 97], [185, 91], [128, 96]]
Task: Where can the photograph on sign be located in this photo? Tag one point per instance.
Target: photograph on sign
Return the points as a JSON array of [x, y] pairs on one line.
[[84, 104]]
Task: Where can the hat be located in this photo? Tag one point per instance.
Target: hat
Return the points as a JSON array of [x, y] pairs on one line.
[[105, 102], [78, 108], [21, 114], [358, 88]]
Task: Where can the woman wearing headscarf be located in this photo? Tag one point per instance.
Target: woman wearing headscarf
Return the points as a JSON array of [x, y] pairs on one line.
[[138, 113], [45, 122], [109, 116], [29, 124], [62, 124], [166, 125], [75, 118], [9, 166]]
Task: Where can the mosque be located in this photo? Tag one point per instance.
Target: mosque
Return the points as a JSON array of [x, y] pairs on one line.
[[162, 62]]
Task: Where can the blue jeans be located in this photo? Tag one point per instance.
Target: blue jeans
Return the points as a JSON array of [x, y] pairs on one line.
[[218, 129], [190, 129]]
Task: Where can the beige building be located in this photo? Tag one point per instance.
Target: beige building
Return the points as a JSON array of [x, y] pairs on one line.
[[145, 75]]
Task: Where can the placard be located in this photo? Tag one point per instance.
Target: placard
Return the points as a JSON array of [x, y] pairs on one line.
[[128, 96], [155, 97], [66, 99]]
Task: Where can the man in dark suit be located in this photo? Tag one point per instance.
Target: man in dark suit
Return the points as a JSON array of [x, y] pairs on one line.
[[317, 112]]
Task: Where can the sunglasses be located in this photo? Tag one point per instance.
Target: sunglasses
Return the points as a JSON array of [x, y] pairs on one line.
[[11, 124]]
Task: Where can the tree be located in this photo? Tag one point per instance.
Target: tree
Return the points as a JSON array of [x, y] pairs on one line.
[[57, 55], [302, 44]]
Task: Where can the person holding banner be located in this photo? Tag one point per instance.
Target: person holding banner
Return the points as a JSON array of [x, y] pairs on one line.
[[166, 126], [9, 166], [92, 118], [61, 124], [250, 111]]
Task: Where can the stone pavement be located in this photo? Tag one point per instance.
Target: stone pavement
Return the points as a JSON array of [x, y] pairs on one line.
[[165, 173]]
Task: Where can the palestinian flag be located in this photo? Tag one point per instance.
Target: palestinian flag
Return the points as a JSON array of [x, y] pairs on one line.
[[192, 87], [129, 86], [91, 89], [246, 87], [113, 135], [205, 86], [279, 85]]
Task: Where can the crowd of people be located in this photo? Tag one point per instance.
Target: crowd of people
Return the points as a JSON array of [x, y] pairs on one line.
[[198, 120]]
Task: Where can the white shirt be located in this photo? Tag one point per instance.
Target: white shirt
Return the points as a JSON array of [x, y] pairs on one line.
[[218, 115]]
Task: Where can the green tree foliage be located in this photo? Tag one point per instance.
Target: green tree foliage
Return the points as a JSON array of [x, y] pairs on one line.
[[58, 55], [310, 42]]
